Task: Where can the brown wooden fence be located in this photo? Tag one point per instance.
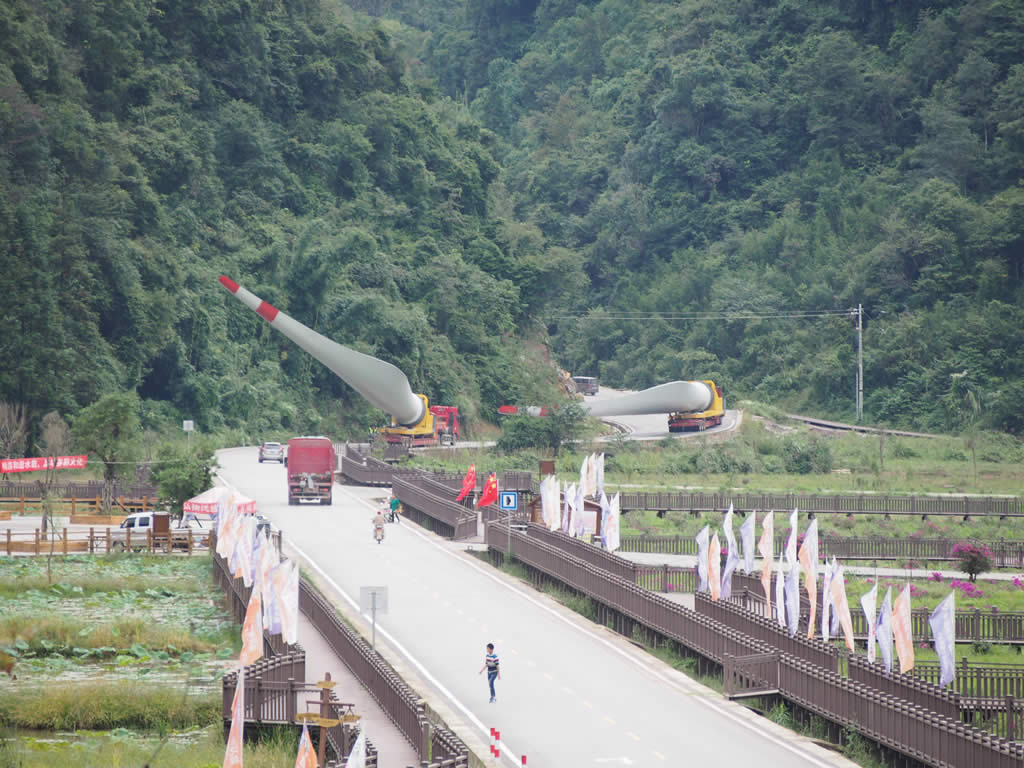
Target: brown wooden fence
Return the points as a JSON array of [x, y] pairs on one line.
[[88, 490], [922, 734], [399, 702], [103, 541], [274, 683], [972, 624], [1006, 554], [362, 469], [961, 506]]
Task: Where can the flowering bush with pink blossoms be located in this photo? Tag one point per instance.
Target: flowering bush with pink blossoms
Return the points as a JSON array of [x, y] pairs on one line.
[[974, 558]]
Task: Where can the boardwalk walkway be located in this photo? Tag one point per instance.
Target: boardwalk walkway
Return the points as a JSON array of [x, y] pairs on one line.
[[393, 751]]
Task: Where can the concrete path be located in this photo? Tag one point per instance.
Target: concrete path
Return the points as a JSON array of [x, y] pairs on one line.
[[392, 748]]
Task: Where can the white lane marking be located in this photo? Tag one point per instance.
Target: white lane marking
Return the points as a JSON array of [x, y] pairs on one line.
[[633, 736], [401, 648], [616, 760], [689, 686], [658, 755], [609, 720], [587, 704], [684, 686], [405, 652]]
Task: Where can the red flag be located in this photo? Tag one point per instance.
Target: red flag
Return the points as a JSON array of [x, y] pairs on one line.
[[490, 494], [468, 482]]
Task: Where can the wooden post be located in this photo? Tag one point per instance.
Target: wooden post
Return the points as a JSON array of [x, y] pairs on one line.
[[92, 544], [325, 711], [74, 507], [65, 541], [37, 541], [8, 541], [128, 540], [190, 541], [21, 508]]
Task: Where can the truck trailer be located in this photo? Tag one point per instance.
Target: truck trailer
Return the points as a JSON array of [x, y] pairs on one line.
[[681, 421], [311, 463]]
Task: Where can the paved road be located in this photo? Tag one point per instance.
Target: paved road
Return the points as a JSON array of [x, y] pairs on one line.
[[572, 694]]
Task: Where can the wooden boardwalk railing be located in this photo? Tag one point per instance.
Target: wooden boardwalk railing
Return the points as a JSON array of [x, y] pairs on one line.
[[922, 734], [960, 506], [1006, 554]]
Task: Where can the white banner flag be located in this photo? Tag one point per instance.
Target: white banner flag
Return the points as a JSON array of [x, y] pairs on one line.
[[613, 540], [600, 474], [568, 496], [747, 539], [884, 633], [780, 593], [793, 600], [869, 603], [943, 624], [606, 511], [703, 540], [732, 558], [826, 602], [357, 757], [794, 522]]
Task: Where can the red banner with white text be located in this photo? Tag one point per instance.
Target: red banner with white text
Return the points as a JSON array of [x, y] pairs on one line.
[[43, 462]]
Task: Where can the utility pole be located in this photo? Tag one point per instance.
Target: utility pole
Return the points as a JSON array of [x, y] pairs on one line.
[[860, 363]]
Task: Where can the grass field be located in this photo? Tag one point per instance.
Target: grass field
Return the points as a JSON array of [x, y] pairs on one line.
[[132, 646], [754, 459], [121, 748]]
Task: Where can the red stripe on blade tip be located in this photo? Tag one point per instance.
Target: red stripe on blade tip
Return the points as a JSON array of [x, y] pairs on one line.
[[267, 311], [228, 283]]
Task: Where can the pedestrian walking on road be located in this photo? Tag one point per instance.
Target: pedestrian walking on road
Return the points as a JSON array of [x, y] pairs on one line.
[[491, 664], [396, 507]]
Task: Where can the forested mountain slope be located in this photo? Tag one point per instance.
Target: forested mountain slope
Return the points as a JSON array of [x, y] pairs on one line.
[[150, 145], [709, 157]]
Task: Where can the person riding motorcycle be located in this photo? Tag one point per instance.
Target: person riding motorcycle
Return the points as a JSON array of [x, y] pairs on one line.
[[378, 526]]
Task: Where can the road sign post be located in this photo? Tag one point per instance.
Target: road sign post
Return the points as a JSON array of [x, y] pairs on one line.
[[374, 600], [509, 502]]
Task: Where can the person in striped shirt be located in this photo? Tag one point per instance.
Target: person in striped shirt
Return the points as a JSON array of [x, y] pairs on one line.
[[492, 665]]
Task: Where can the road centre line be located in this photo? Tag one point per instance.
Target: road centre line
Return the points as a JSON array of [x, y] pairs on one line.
[[685, 686], [691, 687], [401, 648]]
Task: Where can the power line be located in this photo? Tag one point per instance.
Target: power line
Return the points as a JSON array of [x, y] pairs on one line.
[[780, 314]]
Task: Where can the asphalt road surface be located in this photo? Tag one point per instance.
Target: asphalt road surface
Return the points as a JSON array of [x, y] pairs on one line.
[[571, 694]]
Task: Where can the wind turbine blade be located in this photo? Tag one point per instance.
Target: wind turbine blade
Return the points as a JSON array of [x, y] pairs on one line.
[[381, 383], [664, 398]]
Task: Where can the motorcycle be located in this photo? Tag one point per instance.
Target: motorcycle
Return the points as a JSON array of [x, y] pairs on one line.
[[378, 534]]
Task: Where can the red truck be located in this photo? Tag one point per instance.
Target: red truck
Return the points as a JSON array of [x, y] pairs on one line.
[[311, 464]]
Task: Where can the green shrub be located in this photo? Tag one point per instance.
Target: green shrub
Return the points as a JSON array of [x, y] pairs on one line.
[[801, 457], [899, 449]]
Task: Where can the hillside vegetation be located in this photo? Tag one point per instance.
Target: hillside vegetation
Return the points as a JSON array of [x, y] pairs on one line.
[[448, 181], [710, 158], [150, 146]]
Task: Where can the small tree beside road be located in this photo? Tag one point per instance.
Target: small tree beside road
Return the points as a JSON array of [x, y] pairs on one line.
[[109, 430]]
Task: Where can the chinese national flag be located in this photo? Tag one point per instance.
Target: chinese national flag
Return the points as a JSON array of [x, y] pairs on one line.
[[490, 494], [468, 482]]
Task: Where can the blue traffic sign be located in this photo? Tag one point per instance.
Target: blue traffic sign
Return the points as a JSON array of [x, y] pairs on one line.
[[509, 500]]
